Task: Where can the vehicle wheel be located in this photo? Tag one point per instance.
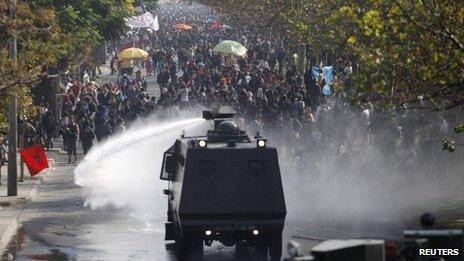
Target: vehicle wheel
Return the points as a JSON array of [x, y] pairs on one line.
[[192, 249], [179, 246], [260, 251], [275, 246]]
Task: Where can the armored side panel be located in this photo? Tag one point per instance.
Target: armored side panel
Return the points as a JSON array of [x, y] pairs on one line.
[[229, 187]]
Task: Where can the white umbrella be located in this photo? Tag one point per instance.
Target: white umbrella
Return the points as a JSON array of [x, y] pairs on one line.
[[226, 27]]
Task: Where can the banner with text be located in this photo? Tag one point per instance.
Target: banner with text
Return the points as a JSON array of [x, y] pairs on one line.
[[143, 21]]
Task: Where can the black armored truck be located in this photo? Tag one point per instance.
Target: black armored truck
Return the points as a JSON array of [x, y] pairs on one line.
[[224, 187]]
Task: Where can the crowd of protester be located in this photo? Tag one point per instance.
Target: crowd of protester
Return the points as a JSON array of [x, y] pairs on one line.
[[265, 87]]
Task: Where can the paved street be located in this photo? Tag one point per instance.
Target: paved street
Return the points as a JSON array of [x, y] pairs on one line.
[[56, 226]]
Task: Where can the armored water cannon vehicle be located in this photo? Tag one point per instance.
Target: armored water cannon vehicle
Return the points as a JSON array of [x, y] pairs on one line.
[[224, 187]]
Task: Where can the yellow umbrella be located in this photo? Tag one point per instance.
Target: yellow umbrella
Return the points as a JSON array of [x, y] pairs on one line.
[[133, 54]]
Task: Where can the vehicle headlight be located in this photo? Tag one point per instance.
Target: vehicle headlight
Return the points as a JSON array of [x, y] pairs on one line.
[[261, 143], [202, 143]]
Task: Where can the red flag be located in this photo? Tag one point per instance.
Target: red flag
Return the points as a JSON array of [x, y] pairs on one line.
[[35, 159]]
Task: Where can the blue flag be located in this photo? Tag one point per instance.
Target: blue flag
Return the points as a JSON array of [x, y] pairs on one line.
[[328, 76]]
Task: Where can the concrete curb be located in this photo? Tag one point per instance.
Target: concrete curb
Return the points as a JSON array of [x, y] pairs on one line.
[[13, 223]]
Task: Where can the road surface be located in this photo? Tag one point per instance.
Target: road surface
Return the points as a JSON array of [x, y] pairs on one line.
[[56, 226]]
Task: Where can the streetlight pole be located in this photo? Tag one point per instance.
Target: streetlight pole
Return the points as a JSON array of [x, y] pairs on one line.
[[13, 118]]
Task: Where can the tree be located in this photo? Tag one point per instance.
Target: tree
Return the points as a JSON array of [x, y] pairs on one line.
[[49, 32], [38, 41], [404, 61], [39, 44]]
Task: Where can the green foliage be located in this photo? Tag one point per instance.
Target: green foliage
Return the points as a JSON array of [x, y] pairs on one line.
[[3, 124], [49, 32], [401, 59], [87, 21], [459, 128], [449, 145]]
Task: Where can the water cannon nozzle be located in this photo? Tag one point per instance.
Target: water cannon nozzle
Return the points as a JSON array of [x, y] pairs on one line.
[[208, 115], [223, 112]]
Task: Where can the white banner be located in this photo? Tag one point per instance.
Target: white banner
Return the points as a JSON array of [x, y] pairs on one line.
[[155, 25], [142, 21]]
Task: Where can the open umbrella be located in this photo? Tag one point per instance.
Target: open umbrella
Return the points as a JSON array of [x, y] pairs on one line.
[[229, 47], [133, 54], [226, 27], [183, 27]]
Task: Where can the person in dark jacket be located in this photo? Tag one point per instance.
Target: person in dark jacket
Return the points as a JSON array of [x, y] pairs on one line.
[[72, 135], [102, 128], [163, 78], [87, 134], [50, 125]]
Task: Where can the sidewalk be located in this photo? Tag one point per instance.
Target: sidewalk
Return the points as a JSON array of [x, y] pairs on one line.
[[11, 207]]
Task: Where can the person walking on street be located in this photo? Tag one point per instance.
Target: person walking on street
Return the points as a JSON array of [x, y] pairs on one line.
[[113, 62], [50, 126], [64, 122], [87, 135], [102, 129], [72, 135]]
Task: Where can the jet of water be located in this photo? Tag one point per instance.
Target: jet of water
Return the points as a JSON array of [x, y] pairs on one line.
[[123, 171]]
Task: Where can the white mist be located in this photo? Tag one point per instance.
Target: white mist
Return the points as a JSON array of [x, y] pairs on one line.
[[123, 172]]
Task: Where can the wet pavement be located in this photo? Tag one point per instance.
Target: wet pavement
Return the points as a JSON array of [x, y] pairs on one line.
[[56, 226]]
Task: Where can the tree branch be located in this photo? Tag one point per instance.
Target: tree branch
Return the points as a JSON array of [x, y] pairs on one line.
[[446, 34]]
